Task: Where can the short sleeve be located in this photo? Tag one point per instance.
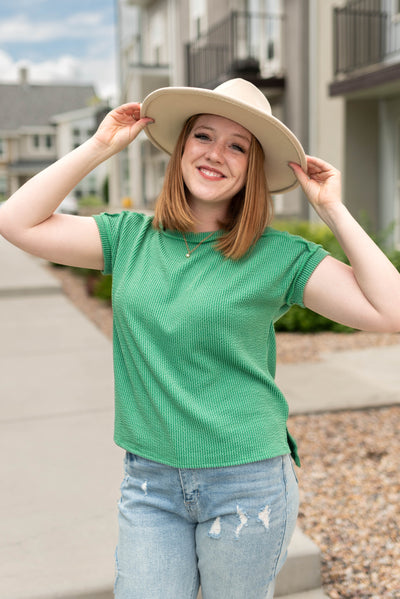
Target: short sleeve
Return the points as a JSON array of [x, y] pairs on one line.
[[115, 227], [307, 262]]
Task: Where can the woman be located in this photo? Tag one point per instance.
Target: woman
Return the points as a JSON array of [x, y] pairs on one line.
[[210, 494]]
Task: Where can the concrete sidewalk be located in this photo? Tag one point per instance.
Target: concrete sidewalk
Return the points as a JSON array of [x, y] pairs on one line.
[[60, 471], [346, 380]]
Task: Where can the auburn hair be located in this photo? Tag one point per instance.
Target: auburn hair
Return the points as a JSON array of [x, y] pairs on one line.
[[250, 210]]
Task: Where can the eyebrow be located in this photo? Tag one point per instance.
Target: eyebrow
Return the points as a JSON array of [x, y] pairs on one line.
[[213, 130]]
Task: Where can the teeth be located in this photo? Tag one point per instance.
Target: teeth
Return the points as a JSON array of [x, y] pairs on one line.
[[210, 173]]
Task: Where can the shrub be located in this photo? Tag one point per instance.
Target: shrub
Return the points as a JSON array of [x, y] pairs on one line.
[[102, 287], [90, 201]]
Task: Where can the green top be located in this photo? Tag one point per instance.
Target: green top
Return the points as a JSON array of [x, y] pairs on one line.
[[194, 343]]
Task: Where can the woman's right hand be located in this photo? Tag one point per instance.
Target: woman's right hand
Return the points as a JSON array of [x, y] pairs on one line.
[[121, 126]]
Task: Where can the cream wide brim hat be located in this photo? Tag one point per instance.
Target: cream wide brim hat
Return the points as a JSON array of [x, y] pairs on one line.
[[237, 100]]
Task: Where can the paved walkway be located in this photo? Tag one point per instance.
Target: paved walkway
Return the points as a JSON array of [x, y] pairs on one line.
[[59, 469], [345, 380]]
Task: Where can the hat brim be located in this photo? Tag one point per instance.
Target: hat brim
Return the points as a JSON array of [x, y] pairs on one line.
[[170, 108]]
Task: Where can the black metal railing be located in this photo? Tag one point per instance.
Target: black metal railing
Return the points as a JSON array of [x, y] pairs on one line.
[[243, 43], [364, 35]]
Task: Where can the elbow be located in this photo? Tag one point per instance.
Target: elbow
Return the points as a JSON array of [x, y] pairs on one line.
[[10, 232], [10, 225], [6, 230]]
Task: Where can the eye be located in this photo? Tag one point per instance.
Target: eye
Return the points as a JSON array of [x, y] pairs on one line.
[[202, 136], [238, 148]]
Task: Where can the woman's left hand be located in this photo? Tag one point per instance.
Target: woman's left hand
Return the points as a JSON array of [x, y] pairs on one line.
[[321, 183]]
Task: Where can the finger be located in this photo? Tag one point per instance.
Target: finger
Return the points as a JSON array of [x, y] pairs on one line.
[[143, 122], [129, 107], [315, 161], [318, 166], [301, 175]]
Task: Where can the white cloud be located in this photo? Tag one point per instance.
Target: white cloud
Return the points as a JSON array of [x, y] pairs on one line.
[[7, 67], [19, 28], [103, 73], [95, 42], [63, 68], [97, 71]]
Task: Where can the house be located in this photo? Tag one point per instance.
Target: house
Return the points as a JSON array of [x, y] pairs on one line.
[[39, 124], [282, 46], [367, 79], [72, 129]]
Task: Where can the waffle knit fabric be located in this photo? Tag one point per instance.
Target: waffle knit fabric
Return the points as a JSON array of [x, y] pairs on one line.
[[194, 342]]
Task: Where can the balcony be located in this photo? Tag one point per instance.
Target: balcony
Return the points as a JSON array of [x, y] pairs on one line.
[[248, 45], [364, 36]]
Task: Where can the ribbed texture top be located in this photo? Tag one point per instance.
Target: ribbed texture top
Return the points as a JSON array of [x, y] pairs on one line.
[[194, 344]]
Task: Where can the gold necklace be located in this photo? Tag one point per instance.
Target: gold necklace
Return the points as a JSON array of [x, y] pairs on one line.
[[189, 252]]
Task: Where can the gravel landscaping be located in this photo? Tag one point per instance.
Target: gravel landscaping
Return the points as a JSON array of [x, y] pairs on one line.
[[350, 498]]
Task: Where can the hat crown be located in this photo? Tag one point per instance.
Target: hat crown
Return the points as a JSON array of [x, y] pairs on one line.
[[244, 91]]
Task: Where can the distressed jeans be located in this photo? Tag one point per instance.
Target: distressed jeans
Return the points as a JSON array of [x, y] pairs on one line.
[[227, 529]]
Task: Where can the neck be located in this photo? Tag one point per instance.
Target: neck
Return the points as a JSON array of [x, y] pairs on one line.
[[208, 218]]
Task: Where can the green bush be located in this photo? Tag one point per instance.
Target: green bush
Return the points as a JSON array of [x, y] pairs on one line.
[[394, 257], [97, 284], [90, 201], [102, 287]]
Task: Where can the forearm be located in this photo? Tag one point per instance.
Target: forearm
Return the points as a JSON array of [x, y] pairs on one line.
[[37, 199], [376, 277]]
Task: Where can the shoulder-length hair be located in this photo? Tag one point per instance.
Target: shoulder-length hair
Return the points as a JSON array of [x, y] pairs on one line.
[[250, 210]]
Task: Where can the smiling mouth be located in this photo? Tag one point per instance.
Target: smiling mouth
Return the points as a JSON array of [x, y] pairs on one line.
[[210, 173]]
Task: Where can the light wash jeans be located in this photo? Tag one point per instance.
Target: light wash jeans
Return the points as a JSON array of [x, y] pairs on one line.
[[226, 528]]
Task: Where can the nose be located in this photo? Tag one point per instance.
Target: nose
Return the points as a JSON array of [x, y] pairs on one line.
[[215, 152]]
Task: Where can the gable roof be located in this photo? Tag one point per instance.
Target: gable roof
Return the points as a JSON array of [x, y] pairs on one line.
[[24, 104]]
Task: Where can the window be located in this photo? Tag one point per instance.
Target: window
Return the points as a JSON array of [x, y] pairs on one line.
[[92, 184], [157, 38], [157, 55], [43, 143], [263, 37], [198, 18]]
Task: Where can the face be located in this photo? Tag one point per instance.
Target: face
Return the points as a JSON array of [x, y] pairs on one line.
[[214, 161]]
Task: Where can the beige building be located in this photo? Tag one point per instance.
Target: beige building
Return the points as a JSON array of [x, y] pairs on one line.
[[284, 47], [367, 79], [39, 123]]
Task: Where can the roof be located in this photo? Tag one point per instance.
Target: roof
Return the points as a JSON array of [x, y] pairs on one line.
[[24, 104]]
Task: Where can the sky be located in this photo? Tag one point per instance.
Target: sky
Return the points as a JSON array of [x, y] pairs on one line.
[[71, 40]]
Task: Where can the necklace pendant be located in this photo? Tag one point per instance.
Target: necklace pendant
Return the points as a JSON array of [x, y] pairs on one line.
[[188, 255]]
